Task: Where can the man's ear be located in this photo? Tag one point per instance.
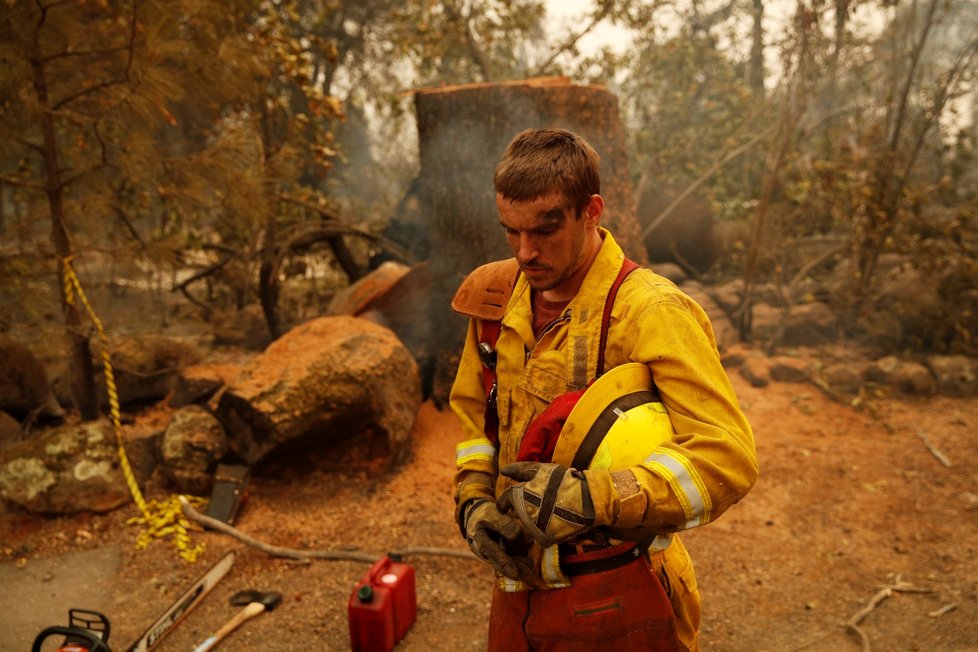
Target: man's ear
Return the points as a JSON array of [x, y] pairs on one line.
[[592, 213]]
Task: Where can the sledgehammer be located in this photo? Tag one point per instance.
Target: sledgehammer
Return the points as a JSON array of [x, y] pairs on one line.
[[256, 602]]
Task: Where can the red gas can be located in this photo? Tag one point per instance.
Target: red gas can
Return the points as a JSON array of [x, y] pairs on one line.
[[383, 606]]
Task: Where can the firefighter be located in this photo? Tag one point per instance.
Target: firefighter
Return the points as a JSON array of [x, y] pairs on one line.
[[598, 421]]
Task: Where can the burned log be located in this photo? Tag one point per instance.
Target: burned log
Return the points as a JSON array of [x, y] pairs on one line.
[[323, 381]]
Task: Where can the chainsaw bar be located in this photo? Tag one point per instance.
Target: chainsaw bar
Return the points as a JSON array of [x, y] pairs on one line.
[[183, 605]]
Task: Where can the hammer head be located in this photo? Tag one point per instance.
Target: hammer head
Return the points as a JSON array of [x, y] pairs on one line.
[[269, 599]]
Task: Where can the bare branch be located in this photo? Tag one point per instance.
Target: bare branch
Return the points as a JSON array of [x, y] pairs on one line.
[[943, 95], [936, 452], [915, 57], [31, 145], [294, 553], [70, 180], [897, 587], [130, 228], [464, 22], [130, 47], [571, 41], [82, 53], [13, 181], [348, 228], [86, 91]]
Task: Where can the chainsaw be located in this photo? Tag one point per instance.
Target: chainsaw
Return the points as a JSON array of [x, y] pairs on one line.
[[88, 631]]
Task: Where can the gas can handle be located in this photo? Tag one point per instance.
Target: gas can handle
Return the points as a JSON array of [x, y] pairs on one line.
[[379, 567]]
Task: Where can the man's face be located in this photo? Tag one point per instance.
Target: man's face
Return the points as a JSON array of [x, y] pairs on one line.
[[549, 241]]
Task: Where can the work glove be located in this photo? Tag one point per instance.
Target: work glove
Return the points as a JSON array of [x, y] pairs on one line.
[[496, 539], [553, 503]]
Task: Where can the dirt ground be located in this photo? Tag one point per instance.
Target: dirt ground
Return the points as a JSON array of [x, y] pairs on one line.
[[849, 502]]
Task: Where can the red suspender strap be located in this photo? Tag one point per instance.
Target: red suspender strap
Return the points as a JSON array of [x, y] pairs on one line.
[[489, 334], [627, 268]]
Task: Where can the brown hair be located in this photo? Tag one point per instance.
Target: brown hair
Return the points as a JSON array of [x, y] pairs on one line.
[[540, 161]]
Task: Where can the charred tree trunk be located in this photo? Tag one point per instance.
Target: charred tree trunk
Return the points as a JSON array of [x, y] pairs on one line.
[[462, 132], [83, 375]]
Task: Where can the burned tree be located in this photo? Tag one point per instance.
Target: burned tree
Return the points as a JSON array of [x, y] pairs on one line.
[[462, 132]]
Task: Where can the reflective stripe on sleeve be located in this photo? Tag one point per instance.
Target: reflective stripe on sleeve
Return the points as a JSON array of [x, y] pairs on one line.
[[474, 449], [685, 482]]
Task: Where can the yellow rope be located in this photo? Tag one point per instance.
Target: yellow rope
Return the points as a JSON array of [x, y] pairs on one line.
[[159, 519]]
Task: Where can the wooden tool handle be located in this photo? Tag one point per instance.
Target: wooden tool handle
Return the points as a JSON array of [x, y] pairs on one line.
[[250, 611]]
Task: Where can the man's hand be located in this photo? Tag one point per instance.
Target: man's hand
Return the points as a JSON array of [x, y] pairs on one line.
[[552, 502], [493, 536]]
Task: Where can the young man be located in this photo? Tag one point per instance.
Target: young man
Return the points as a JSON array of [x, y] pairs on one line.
[[566, 484]]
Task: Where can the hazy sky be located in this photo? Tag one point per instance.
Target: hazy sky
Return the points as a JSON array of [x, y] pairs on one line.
[[566, 15]]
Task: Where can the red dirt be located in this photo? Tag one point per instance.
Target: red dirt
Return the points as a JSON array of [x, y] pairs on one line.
[[849, 502]]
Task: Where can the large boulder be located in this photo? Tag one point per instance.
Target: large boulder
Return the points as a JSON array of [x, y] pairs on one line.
[[24, 387], [955, 375], [200, 382], [804, 324], [146, 367], [324, 380], [71, 469]]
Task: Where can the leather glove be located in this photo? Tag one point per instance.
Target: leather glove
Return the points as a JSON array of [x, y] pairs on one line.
[[494, 538], [552, 502]]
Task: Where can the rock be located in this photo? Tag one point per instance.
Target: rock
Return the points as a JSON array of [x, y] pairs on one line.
[[806, 324], [731, 359], [845, 377], [787, 370], [67, 469], [198, 383], [810, 324], [146, 367], [755, 371], [914, 378], [881, 370], [24, 386], [729, 295], [190, 448], [10, 432], [397, 297], [324, 380], [956, 375], [908, 377]]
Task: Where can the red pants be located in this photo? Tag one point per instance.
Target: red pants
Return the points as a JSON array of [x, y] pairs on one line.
[[624, 609]]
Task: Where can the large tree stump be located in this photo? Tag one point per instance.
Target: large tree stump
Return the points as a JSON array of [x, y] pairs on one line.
[[462, 132]]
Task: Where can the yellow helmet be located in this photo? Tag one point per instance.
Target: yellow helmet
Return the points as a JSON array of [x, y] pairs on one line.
[[618, 421]]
